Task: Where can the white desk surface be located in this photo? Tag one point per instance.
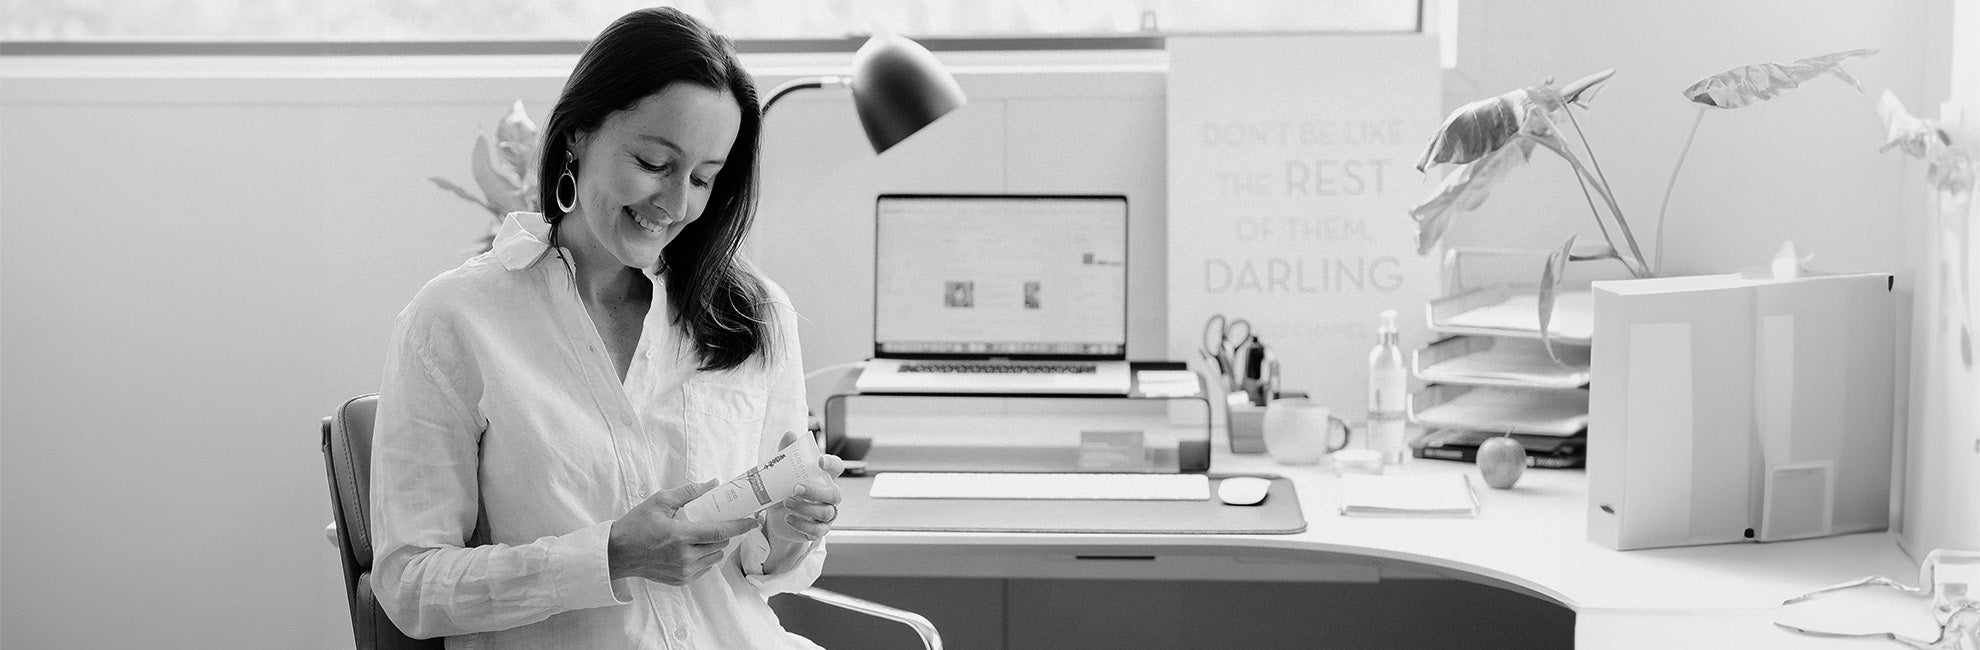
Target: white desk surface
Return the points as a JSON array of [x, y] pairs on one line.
[[1531, 539]]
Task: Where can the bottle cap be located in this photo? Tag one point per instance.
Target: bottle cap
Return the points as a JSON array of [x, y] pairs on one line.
[[1388, 320]]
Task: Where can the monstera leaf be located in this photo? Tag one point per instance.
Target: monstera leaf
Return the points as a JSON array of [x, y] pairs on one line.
[[1462, 190], [1753, 83], [1482, 138], [1480, 128]]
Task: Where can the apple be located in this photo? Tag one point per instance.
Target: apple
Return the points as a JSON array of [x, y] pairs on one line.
[[1502, 460]]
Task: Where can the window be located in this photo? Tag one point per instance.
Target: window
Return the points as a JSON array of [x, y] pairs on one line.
[[222, 21]]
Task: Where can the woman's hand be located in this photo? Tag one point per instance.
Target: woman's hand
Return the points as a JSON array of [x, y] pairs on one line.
[[807, 515], [648, 542]]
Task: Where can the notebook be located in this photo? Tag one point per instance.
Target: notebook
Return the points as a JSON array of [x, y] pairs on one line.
[[1408, 495], [999, 294]]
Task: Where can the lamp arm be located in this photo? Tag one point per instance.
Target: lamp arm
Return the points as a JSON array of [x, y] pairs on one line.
[[803, 83]]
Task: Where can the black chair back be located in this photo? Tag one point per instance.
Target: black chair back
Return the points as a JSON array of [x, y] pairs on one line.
[[347, 456]]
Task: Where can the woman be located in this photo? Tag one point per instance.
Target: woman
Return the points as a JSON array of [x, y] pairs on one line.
[[549, 405]]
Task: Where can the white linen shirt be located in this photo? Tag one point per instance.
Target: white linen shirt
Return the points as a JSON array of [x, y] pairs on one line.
[[506, 446]]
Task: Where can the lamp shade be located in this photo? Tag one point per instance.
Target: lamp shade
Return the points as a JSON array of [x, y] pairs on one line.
[[899, 87]]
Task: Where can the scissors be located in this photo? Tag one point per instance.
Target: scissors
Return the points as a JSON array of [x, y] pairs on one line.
[[1221, 339]]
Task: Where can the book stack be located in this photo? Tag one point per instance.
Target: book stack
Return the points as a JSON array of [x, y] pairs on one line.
[[1491, 374], [1541, 451]]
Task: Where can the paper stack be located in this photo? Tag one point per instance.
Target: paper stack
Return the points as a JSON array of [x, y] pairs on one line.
[[1492, 374]]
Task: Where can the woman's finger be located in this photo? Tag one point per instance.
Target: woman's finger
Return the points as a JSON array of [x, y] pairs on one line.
[[810, 529], [828, 493]]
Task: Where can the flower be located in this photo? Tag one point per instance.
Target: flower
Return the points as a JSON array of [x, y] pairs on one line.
[[505, 170]]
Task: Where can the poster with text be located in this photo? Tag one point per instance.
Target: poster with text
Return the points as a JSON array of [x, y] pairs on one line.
[[1291, 171]]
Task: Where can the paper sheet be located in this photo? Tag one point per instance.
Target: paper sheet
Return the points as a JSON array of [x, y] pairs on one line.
[[1573, 319], [1487, 408], [1513, 361], [1166, 383]]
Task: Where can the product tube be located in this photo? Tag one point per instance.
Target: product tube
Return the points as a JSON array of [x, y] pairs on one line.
[[775, 480]]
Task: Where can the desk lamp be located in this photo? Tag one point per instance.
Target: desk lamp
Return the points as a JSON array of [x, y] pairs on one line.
[[898, 87]]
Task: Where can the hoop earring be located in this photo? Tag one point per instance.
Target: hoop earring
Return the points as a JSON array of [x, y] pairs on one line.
[[566, 178]]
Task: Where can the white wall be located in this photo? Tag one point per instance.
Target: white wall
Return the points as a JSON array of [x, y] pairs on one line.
[[1027, 128], [1943, 461], [200, 258]]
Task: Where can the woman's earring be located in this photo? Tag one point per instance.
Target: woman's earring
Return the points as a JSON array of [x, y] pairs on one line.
[[566, 179]]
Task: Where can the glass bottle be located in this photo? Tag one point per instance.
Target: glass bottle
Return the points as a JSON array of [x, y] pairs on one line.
[[1388, 383]]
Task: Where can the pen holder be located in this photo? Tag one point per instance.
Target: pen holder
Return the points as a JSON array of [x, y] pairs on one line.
[[1246, 423], [1247, 426]]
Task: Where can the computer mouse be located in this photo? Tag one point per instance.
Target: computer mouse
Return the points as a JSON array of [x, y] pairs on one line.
[[1243, 490]]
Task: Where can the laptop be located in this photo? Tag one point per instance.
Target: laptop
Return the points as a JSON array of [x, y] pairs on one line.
[[999, 294]]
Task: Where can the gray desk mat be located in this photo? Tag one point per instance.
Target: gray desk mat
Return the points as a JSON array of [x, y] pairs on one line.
[[1279, 514]]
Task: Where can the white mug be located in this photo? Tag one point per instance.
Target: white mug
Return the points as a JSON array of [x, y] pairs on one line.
[[1299, 431]]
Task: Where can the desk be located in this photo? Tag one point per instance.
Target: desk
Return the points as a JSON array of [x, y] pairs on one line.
[[1531, 540]]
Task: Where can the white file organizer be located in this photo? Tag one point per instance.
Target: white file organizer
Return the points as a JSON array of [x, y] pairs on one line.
[[1724, 409]]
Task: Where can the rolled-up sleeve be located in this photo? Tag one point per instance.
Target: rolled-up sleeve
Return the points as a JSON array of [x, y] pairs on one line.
[[425, 502], [786, 413]]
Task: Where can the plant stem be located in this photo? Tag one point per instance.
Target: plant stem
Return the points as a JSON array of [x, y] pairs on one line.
[[1638, 269], [1658, 266], [1597, 164], [1599, 223], [1592, 161]]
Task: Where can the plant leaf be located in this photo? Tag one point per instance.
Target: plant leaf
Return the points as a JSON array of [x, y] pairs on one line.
[[1475, 130], [1550, 279], [518, 141], [501, 184], [1583, 91], [1585, 251], [460, 192], [1476, 136], [518, 132], [1464, 189], [1949, 165], [1953, 174], [1750, 84], [1915, 137]]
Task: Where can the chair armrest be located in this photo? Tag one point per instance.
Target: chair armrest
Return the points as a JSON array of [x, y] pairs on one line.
[[330, 534], [930, 639]]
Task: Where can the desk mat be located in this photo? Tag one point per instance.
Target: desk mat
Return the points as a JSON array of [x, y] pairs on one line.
[[1279, 514]]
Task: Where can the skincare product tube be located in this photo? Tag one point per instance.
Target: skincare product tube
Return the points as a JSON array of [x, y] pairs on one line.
[[775, 480]]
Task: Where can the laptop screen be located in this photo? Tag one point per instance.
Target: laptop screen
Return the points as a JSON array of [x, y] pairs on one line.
[[1000, 276]]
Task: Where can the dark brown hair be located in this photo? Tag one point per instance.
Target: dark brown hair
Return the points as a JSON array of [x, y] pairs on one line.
[[715, 298]]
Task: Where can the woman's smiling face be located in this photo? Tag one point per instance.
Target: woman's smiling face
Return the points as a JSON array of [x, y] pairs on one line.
[[647, 172]]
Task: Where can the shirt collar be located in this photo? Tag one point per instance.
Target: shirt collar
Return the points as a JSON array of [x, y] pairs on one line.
[[519, 243]]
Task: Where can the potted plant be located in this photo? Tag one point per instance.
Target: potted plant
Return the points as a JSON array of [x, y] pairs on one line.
[[1484, 140], [505, 170]]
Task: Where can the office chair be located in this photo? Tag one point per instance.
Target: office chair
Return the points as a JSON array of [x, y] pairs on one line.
[[347, 456]]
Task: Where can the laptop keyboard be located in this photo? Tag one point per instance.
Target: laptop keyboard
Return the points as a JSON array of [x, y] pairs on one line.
[[990, 485], [1003, 368]]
